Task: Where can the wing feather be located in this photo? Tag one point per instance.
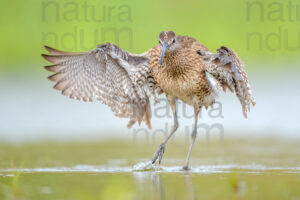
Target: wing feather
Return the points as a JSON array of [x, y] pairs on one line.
[[109, 74], [227, 68]]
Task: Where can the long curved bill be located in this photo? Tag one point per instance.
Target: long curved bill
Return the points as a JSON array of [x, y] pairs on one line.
[[165, 47]]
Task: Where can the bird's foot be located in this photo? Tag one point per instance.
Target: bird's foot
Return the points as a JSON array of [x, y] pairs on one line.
[[186, 168], [159, 153]]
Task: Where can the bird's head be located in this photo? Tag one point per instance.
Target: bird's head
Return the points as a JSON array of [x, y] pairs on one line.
[[167, 41]]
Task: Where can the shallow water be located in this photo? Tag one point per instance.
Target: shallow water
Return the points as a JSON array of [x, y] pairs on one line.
[[236, 169], [148, 167], [167, 183]]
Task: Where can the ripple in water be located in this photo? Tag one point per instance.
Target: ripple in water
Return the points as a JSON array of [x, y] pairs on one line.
[[145, 166]]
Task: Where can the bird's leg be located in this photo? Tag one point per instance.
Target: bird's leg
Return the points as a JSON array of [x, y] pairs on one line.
[[193, 138], [161, 148]]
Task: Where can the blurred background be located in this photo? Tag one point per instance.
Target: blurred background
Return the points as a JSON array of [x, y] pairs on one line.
[[265, 34], [52, 147]]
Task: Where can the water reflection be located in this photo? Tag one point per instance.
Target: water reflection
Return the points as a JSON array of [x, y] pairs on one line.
[[157, 185], [163, 183], [154, 183], [189, 186]]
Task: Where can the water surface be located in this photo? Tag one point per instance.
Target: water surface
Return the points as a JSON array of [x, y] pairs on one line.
[[234, 169]]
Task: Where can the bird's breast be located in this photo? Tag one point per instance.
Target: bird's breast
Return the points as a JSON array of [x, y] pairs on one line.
[[180, 81], [182, 74]]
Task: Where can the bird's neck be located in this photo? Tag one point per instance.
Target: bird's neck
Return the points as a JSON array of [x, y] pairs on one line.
[[172, 58], [174, 63]]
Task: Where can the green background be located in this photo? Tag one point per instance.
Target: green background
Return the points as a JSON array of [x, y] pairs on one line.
[[25, 25]]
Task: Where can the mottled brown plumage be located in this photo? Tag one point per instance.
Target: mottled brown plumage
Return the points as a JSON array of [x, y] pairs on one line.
[[178, 66], [182, 74]]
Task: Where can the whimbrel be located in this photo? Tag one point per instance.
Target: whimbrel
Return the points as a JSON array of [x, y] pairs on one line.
[[178, 66]]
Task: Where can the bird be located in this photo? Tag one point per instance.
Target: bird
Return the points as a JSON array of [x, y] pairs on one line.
[[178, 66]]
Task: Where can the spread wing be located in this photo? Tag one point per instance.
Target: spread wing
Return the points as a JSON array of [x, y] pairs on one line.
[[109, 74], [227, 69]]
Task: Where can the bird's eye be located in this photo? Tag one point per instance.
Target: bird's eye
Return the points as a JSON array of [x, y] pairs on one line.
[[174, 41], [159, 42]]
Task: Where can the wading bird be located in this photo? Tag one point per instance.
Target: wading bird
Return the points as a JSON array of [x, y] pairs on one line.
[[178, 66]]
